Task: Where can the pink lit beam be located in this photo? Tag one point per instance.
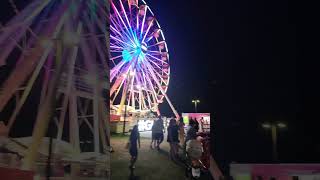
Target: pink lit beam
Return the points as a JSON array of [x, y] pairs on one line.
[[117, 32], [120, 79], [23, 19], [18, 35], [115, 47], [144, 19], [120, 28], [116, 88], [152, 36], [125, 14], [8, 47], [101, 51], [114, 38], [26, 93], [115, 29], [156, 58], [24, 68], [148, 96], [137, 20], [116, 69], [119, 16], [162, 91], [151, 85], [146, 33], [156, 64], [158, 43], [157, 73]]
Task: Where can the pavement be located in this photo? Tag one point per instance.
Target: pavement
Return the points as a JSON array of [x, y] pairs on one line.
[[151, 164]]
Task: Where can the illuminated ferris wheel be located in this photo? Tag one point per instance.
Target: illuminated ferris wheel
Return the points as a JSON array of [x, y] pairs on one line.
[[139, 63]]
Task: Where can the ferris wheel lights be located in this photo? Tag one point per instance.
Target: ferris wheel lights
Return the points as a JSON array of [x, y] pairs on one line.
[[150, 21], [133, 2], [132, 73], [164, 58], [138, 87], [144, 48], [161, 46], [142, 10], [126, 55], [156, 34]]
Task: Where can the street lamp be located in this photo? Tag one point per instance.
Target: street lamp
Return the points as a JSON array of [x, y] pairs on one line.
[[196, 102], [274, 127]]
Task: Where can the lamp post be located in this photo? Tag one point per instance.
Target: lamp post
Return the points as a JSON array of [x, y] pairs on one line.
[[196, 102], [274, 134]]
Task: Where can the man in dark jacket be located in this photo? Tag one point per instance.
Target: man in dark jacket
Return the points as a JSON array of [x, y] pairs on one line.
[[158, 131]]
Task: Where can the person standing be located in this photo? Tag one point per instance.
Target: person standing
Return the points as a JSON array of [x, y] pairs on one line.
[[134, 141], [202, 129], [173, 139], [153, 136], [192, 131], [158, 130], [181, 132]]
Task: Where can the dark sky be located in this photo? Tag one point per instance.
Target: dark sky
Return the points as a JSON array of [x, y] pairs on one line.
[[240, 58]]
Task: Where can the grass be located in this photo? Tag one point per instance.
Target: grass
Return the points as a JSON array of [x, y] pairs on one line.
[[151, 164]]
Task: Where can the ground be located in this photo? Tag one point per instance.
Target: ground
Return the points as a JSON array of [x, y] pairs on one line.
[[151, 164]]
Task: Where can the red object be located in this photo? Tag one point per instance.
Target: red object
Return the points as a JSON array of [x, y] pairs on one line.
[[114, 117], [283, 171], [16, 174]]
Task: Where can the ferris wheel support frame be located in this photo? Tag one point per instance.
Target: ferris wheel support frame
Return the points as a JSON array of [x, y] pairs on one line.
[[37, 54], [163, 93]]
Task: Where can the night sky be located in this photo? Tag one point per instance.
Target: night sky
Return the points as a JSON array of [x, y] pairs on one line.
[[240, 58]]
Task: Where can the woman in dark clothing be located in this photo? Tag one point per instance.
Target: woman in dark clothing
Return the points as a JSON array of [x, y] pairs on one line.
[[173, 139], [134, 139], [191, 133]]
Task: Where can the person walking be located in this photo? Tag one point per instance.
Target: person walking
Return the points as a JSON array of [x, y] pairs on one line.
[[134, 141], [191, 133], [181, 132], [173, 139], [158, 130], [153, 136], [192, 130]]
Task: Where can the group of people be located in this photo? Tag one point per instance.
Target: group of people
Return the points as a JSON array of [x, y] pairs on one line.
[[175, 137]]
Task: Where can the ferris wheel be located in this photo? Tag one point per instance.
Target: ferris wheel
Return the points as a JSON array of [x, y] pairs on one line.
[[139, 63], [53, 69]]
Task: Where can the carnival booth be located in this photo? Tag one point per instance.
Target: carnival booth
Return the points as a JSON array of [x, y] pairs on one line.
[[202, 118]]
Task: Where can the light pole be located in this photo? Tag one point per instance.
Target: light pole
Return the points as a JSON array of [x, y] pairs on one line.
[[196, 102], [274, 133]]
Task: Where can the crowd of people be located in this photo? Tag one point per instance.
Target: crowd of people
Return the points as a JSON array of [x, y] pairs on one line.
[[176, 137]]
